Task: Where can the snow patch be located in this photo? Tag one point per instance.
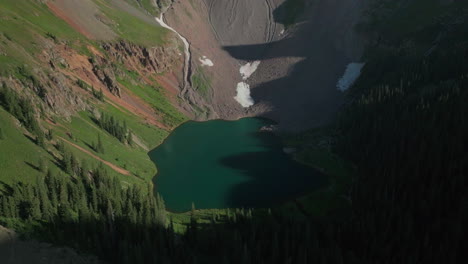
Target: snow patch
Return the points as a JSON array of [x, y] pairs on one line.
[[352, 72], [243, 89], [248, 69], [206, 62], [243, 95]]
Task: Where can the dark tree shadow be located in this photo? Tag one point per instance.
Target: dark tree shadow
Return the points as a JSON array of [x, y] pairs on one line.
[[32, 165], [273, 176], [270, 181], [5, 188], [33, 140], [89, 146]]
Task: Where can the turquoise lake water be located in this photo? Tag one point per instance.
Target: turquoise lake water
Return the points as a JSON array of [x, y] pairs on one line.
[[221, 164]]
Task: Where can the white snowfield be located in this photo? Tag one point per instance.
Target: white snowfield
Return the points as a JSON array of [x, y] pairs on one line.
[[248, 69], [206, 62], [243, 95], [243, 89], [351, 74]]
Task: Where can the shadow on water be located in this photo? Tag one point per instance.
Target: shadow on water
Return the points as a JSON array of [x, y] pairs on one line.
[[271, 176]]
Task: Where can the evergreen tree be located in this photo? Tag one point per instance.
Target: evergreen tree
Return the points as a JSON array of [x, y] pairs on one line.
[[100, 145], [130, 138], [100, 95], [114, 127], [42, 165], [67, 162], [40, 140], [60, 146], [49, 135]]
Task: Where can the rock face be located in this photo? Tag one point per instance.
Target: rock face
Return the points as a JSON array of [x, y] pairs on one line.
[[105, 74], [62, 80], [153, 60]]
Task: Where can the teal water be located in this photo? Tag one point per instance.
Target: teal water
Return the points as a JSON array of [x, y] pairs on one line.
[[220, 164]]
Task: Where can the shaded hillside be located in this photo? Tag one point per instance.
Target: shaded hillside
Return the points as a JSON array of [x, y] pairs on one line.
[[15, 251]]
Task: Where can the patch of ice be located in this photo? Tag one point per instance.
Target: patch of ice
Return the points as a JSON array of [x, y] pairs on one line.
[[243, 95], [352, 72], [243, 89], [206, 62], [248, 69], [282, 32]]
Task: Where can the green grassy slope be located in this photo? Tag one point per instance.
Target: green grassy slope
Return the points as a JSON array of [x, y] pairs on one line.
[[17, 152], [21, 22], [155, 96], [25, 26], [132, 28]]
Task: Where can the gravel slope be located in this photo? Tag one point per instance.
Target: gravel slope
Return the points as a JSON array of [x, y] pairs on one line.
[[241, 22], [296, 81]]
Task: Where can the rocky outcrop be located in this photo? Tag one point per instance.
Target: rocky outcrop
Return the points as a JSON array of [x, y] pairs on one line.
[[162, 3], [151, 60], [102, 69]]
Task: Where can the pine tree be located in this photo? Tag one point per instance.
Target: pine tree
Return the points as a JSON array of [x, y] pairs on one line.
[[84, 171], [67, 162], [40, 140], [2, 136], [49, 135], [63, 192], [100, 145], [60, 146], [100, 95], [42, 165], [5, 211], [130, 138], [36, 212]]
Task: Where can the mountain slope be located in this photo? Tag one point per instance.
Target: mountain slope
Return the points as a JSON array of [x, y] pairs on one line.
[[105, 59]]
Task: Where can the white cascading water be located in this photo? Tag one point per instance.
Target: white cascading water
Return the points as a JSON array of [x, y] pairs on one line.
[[161, 22]]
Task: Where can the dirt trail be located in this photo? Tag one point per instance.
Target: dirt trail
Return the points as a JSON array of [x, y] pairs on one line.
[[112, 166]]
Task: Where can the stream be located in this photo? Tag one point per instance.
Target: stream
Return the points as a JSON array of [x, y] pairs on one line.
[[163, 24]]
